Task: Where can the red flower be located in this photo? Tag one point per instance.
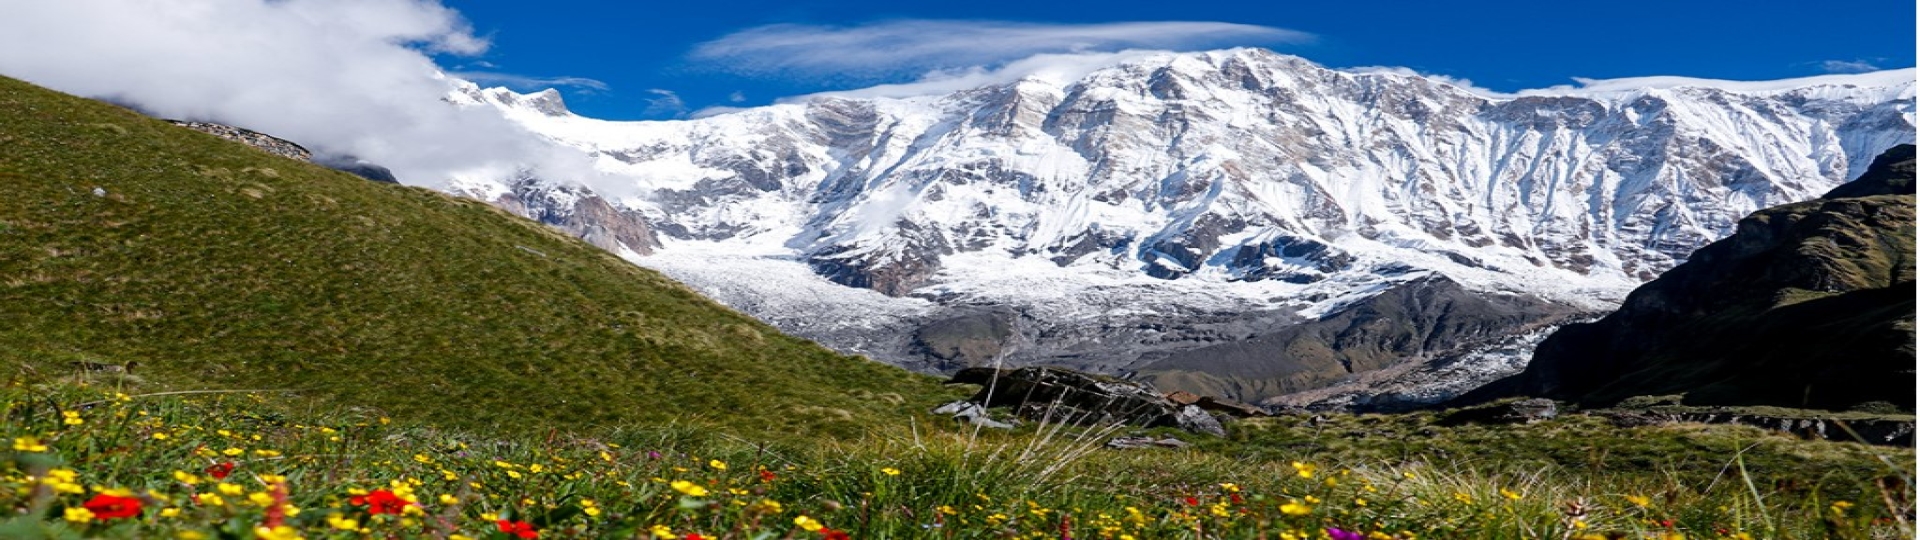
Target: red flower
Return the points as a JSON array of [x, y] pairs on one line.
[[219, 471], [693, 536], [107, 507], [380, 501], [520, 529], [766, 475], [1193, 501], [834, 534]]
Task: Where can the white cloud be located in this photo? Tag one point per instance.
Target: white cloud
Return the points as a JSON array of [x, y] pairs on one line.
[[665, 103], [344, 76], [736, 97], [524, 83], [1848, 66], [915, 46], [715, 110], [1060, 69]]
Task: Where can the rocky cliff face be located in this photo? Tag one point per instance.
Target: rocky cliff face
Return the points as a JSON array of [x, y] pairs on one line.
[[1177, 202], [1806, 305]]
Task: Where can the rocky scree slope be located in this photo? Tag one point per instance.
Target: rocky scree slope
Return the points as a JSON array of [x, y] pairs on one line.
[[1173, 202], [1807, 305]]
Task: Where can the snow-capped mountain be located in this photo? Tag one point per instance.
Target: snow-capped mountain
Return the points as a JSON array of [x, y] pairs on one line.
[[1112, 220]]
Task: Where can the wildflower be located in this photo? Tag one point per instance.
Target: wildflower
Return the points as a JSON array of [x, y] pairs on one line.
[[590, 508], [1294, 508], [694, 536], [834, 534], [160, 435], [767, 506], [1638, 500], [209, 499], [190, 535], [689, 488], [233, 452], [185, 477], [448, 499], [230, 489], [717, 465], [219, 471], [520, 529], [108, 506], [71, 418], [890, 471], [344, 523], [1840, 507], [282, 532], [1340, 534], [536, 468], [265, 453], [766, 475], [1509, 494], [28, 444], [169, 512], [809, 524], [381, 501], [1304, 470], [662, 532], [78, 514]]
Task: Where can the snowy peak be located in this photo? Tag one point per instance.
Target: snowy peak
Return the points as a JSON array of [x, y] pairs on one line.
[[1228, 181]]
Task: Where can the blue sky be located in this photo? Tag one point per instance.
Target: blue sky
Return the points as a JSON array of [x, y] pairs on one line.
[[633, 60]]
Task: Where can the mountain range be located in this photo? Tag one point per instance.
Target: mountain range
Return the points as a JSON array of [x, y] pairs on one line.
[[1176, 217]]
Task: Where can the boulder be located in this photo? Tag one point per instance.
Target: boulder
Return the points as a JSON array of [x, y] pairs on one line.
[[1197, 420]]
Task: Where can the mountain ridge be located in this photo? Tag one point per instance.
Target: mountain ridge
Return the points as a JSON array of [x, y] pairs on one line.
[[1204, 185]]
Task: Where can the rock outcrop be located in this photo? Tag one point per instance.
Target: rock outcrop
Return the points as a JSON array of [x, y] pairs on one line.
[[1807, 305], [1055, 395]]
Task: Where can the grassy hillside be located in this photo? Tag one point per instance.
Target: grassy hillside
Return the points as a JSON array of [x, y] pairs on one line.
[[213, 265]]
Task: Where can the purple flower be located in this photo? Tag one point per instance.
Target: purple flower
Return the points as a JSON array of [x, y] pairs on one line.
[[653, 455], [1337, 534]]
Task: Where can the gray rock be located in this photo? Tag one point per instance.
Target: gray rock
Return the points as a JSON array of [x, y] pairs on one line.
[[1129, 443], [1195, 419]]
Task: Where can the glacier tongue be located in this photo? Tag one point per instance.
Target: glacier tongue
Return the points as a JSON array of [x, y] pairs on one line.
[[1177, 201]]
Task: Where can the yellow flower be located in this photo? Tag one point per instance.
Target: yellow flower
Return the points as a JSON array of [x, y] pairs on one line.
[[28, 444], [71, 418], [449, 500], [809, 524], [233, 452], [230, 489], [1231, 488], [1639, 501], [717, 465], [536, 468], [261, 499], [159, 435], [342, 522], [209, 499], [1509, 494], [1294, 508], [890, 471], [266, 453], [169, 512], [689, 488], [513, 474], [459, 537], [190, 535], [661, 531], [282, 532], [423, 458], [768, 506], [1304, 470], [78, 514]]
